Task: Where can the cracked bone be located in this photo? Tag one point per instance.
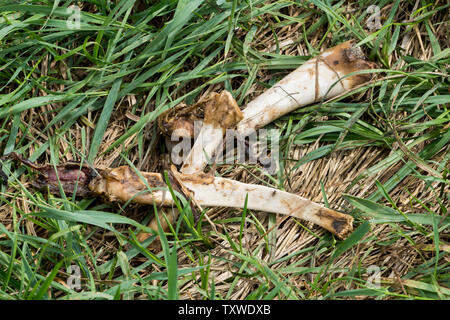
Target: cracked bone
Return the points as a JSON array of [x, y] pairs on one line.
[[124, 184], [322, 77]]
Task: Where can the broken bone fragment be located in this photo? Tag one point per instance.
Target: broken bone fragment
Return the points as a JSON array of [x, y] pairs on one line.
[[171, 214], [221, 112], [124, 184], [217, 109], [178, 122]]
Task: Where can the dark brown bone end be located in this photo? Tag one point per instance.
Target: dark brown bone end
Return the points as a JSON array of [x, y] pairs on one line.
[[220, 109], [346, 58], [337, 223], [179, 120], [69, 176], [343, 227]]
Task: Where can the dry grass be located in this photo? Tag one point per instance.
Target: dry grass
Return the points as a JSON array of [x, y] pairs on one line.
[[299, 255]]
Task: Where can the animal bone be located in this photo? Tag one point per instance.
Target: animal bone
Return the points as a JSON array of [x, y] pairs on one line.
[[124, 184], [221, 113], [179, 121], [321, 77], [311, 82], [318, 78]]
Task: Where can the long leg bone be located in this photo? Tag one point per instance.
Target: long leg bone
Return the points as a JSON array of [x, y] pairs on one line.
[[124, 184], [214, 191], [319, 78]]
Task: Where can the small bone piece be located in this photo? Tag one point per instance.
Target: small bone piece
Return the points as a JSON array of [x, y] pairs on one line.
[[221, 113], [178, 122], [171, 214]]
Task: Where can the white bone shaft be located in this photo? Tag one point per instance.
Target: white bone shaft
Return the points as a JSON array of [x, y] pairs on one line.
[[297, 89], [204, 147], [224, 192]]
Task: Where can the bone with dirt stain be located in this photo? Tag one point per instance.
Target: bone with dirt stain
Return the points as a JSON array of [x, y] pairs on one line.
[[71, 176], [221, 113], [322, 77], [212, 191], [178, 122], [123, 184]]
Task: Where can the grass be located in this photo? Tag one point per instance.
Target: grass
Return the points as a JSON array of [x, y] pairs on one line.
[[379, 152]]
